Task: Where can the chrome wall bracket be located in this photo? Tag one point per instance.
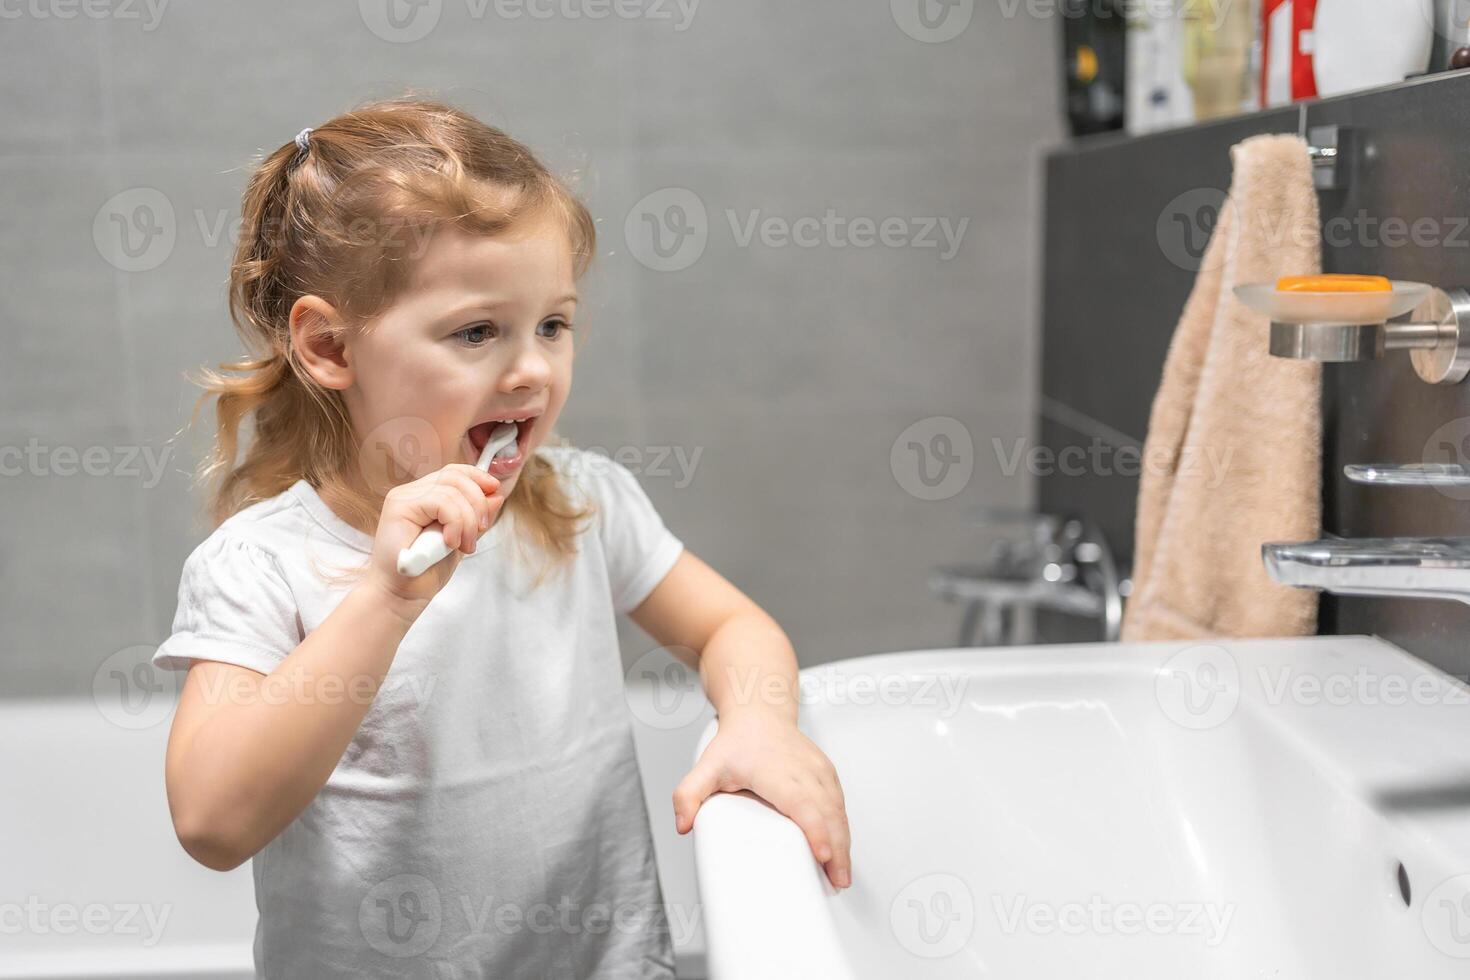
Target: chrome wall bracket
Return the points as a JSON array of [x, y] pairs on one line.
[[1330, 148], [1436, 334]]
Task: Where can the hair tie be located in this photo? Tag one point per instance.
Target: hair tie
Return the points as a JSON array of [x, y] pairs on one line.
[[303, 145]]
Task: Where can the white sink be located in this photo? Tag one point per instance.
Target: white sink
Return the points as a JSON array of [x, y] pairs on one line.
[[1238, 809]]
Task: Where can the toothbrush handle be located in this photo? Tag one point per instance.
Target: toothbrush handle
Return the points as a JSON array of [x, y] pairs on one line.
[[427, 550]]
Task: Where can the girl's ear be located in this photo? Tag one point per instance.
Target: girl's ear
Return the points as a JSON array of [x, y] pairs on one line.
[[316, 331]]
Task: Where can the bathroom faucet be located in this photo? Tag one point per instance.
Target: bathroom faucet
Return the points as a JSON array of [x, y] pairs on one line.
[[1422, 568], [1059, 563]]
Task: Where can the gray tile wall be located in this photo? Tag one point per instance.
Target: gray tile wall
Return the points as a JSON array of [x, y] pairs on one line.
[[789, 370]]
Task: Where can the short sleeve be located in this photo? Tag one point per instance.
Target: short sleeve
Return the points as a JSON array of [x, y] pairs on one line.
[[639, 549], [234, 606]]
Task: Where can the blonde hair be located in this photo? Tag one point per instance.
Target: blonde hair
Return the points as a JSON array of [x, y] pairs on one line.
[[339, 214]]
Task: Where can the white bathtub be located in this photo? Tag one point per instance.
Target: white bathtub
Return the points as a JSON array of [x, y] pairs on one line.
[[1236, 810], [94, 884]]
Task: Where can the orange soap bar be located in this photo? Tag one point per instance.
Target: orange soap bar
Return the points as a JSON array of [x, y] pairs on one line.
[[1333, 284]]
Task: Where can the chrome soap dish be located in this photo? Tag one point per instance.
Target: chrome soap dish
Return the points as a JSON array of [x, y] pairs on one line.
[[1356, 326]]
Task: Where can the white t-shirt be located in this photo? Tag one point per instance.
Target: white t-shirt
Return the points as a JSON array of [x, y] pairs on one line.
[[487, 820]]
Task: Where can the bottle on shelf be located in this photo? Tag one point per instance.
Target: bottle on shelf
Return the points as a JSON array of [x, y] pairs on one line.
[[1157, 95], [1093, 41], [1219, 36]]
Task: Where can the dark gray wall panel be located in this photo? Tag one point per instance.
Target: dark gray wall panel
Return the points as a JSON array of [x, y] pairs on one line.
[[1114, 287]]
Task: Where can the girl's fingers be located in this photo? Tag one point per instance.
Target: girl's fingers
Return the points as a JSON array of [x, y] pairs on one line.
[[835, 804], [482, 495], [471, 526], [425, 508], [806, 790], [458, 498], [809, 817], [472, 491], [698, 785], [453, 513], [839, 869], [822, 818], [464, 503], [447, 513], [487, 483]]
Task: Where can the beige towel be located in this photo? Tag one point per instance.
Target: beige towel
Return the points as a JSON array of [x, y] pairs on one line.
[[1233, 453]]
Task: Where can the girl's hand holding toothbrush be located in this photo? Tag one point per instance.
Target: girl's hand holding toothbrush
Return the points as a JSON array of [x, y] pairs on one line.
[[459, 499]]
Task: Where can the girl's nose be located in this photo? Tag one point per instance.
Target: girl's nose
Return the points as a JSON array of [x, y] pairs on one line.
[[529, 370]]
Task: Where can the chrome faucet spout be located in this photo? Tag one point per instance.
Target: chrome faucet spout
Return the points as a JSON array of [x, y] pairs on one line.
[[1423, 568]]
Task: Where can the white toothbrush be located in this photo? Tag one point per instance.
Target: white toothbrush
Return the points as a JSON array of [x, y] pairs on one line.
[[429, 548]]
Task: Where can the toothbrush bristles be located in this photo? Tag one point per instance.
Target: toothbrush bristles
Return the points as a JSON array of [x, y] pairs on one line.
[[504, 435]]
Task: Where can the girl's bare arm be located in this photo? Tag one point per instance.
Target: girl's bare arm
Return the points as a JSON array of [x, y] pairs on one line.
[[749, 672], [248, 751]]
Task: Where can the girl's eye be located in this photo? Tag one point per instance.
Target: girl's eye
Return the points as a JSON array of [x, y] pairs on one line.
[[553, 329], [475, 335]]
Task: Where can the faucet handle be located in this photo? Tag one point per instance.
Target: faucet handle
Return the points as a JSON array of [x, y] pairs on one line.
[[1408, 474]]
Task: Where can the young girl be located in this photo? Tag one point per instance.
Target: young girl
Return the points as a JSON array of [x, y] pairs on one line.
[[435, 776]]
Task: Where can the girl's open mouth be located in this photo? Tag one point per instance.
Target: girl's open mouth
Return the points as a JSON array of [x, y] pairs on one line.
[[509, 459]]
